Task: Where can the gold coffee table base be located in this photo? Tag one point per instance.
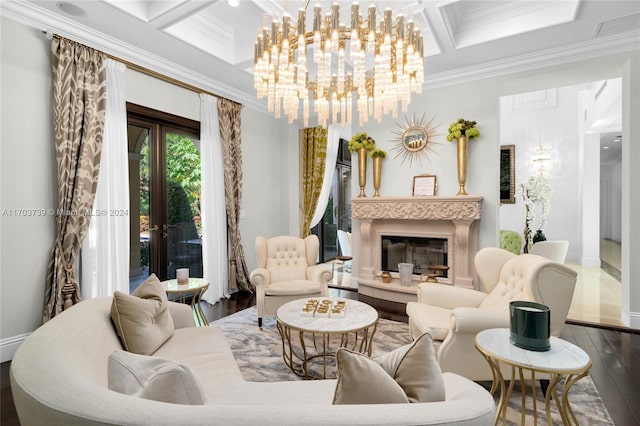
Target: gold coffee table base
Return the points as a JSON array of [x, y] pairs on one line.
[[300, 347], [311, 341]]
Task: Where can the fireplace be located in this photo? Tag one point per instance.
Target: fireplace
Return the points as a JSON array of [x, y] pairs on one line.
[[420, 252], [420, 230]]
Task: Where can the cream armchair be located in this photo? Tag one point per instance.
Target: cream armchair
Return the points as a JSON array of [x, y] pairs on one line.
[[287, 271], [454, 315]]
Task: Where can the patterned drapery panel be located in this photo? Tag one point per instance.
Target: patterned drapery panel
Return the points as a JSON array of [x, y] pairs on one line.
[[314, 154], [230, 137], [79, 101]]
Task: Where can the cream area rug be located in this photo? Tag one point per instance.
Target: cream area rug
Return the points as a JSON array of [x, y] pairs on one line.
[[259, 356]]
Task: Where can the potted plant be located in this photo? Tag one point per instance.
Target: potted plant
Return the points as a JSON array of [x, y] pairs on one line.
[[537, 191], [377, 155], [461, 131], [462, 127], [361, 143], [361, 140]]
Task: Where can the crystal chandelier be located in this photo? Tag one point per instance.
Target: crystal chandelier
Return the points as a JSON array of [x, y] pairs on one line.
[[387, 65]]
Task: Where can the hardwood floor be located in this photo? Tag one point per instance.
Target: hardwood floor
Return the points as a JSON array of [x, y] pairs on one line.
[[615, 355]]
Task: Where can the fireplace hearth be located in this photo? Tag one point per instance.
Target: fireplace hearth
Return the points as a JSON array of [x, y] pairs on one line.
[[420, 230]]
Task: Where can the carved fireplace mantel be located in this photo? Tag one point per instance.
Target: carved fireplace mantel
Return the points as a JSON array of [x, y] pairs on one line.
[[454, 218]]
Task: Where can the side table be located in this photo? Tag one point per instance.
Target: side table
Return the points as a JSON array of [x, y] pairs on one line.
[[191, 291], [563, 361]]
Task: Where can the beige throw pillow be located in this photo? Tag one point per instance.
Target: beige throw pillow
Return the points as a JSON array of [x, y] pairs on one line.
[[362, 381], [154, 378], [142, 320], [407, 374], [415, 369]]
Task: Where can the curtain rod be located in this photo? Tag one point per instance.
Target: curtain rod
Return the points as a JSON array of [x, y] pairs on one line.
[[146, 71]]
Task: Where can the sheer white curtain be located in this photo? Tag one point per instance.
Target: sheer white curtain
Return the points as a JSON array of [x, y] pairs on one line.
[[212, 203], [105, 250], [333, 141]]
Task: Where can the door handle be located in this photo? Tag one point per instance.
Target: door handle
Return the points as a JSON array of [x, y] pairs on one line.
[[154, 228]]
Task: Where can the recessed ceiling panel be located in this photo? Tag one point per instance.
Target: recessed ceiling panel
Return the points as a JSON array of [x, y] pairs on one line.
[[220, 30], [471, 22], [146, 11], [618, 25]]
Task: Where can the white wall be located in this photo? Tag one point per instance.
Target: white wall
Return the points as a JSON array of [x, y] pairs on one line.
[[547, 118], [611, 194], [28, 181], [28, 172], [630, 195]]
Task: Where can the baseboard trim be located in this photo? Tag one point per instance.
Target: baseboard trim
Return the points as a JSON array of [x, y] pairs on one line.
[[9, 346], [604, 326]]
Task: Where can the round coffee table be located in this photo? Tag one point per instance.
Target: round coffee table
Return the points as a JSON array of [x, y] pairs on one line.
[[308, 338]]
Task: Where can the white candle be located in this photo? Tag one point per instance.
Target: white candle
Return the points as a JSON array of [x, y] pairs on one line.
[[182, 275]]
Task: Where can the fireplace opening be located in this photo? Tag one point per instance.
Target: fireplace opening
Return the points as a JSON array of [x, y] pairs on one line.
[[422, 252]]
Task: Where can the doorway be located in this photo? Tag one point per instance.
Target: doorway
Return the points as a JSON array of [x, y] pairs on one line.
[[573, 124], [164, 182], [337, 215]]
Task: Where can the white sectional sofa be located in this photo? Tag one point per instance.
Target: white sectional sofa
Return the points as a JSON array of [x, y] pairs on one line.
[[59, 377]]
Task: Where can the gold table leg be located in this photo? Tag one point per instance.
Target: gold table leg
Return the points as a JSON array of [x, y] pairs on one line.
[[297, 357]]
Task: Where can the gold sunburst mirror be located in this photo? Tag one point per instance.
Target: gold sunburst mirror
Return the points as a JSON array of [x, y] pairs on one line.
[[415, 139]]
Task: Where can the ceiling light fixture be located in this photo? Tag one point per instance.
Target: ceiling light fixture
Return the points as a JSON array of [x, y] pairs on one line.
[[387, 65]]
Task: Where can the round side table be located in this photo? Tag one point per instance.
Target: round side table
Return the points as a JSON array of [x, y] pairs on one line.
[[564, 361], [193, 291]]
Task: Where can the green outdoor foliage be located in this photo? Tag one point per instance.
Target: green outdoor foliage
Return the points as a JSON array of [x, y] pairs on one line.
[[183, 169]]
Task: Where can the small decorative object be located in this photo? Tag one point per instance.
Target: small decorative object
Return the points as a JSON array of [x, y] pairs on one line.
[[415, 139], [462, 131], [361, 143], [182, 275], [429, 278], [406, 271], [539, 236], [535, 193], [530, 325], [386, 277], [425, 185], [378, 155]]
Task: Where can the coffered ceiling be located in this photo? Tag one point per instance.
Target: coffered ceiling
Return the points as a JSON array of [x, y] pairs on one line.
[[210, 43]]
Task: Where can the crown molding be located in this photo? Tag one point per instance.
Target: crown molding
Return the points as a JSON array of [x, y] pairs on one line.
[[41, 19], [620, 43]]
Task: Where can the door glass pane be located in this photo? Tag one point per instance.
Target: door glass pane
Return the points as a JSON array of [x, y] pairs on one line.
[[330, 225], [139, 201], [344, 191], [184, 229]]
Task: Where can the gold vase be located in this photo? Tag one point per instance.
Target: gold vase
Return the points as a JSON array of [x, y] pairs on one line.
[[362, 170], [463, 152], [377, 175]]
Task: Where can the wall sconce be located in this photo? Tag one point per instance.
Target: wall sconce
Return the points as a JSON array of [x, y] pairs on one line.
[[542, 160]]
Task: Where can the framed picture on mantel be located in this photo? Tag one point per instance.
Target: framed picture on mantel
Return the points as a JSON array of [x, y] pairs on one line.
[[425, 185]]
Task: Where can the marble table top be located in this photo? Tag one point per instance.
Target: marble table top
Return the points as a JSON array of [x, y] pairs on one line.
[[193, 284], [563, 357], [357, 316]]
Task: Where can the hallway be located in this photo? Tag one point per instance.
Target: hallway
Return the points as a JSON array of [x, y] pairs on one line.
[[597, 295]]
